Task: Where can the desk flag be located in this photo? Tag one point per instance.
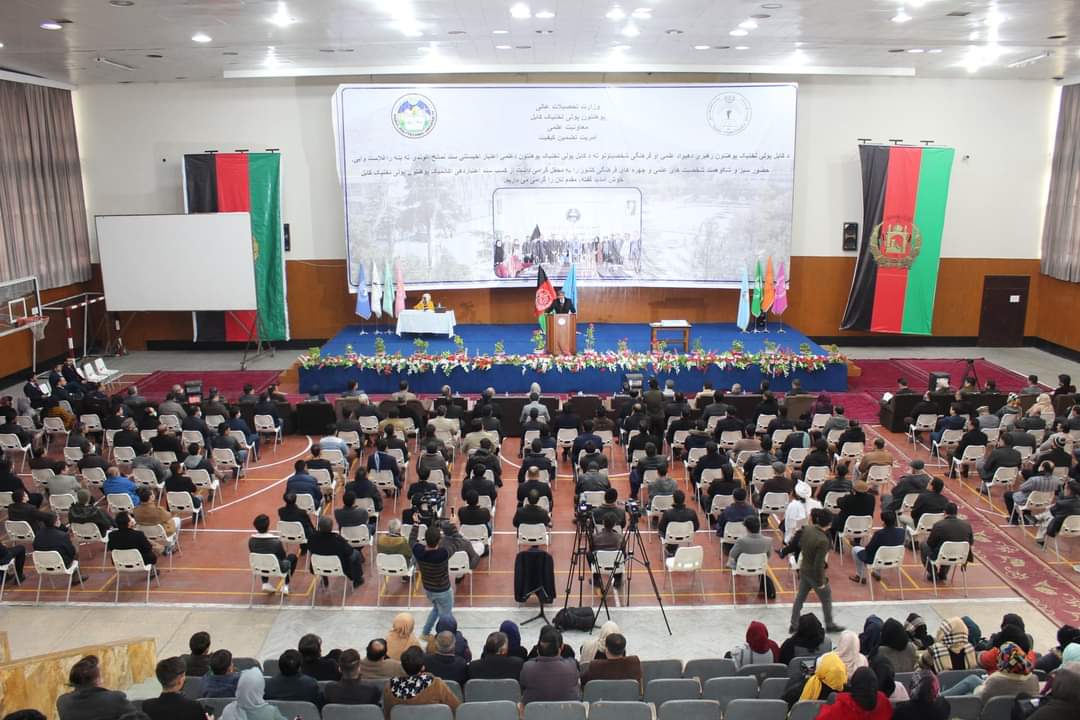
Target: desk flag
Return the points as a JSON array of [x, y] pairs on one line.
[[363, 300], [744, 301]]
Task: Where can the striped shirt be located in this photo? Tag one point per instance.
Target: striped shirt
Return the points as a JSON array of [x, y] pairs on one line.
[[433, 566], [1036, 483]]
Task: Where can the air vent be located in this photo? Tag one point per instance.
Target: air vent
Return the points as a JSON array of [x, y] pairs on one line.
[[958, 13]]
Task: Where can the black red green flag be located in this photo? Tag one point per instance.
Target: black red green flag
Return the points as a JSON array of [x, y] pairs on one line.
[[905, 190], [545, 296], [244, 182]]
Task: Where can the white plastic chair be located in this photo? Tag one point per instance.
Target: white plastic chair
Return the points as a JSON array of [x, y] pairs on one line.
[[678, 533], [171, 422], [203, 480], [306, 503], [920, 532], [94, 477], [61, 503], [749, 565], [686, 560], [816, 475], [972, 454], [9, 442], [780, 435], [131, 562], [50, 563], [265, 425], [119, 501], [775, 504], [659, 504], [291, 533], [878, 475], [54, 426], [6, 569], [1069, 529], [532, 534], [857, 529], [459, 568], [1004, 476], [949, 440], [923, 423], [952, 554], [359, 537], [225, 461], [732, 532], [906, 506], [395, 566], [763, 423], [888, 557], [325, 480], [328, 566], [156, 533], [832, 500], [192, 437], [384, 481], [265, 565], [182, 502], [87, 534], [818, 421], [42, 476], [123, 455], [19, 531], [1037, 502], [719, 502], [478, 534], [145, 477]]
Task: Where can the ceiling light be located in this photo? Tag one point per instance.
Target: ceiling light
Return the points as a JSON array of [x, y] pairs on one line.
[[51, 25], [544, 15], [901, 16], [113, 63], [456, 32], [761, 16], [934, 51], [520, 11], [771, 6], [620, 48], [916, 51], [1, 45], [281, 18], [504, 47], [642, 13], [1029, 60], [702, 47], [739, 32], [121, 3], [673, 31], [742, 47], [500, 32], [799, 58], [201, 37], [615, 13], [748, 25], [523, 47], [631, 30]]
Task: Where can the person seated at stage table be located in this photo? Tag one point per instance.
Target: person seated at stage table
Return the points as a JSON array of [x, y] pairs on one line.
[[562, 304], [442, 423], [425, 303], [536, 458], [487, 399], [533, 483], [485, 458], [476, 433], [652, 461], [592, 454], [714, 459], [704, 396], [382, 460], [531, 513], [403, 394], [535, 404]]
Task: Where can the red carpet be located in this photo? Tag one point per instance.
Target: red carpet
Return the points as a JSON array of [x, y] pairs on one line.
[[879, 376], [229, 382]]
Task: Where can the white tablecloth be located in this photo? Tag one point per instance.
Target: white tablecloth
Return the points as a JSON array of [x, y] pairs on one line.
[[422, 321]]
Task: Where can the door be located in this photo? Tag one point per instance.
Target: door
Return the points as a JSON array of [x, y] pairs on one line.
[[1004, 307]]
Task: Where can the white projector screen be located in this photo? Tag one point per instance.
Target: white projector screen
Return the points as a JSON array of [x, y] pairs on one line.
[[201, 261]]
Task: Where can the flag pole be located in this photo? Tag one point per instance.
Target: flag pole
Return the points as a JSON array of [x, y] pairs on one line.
[[780, 319]]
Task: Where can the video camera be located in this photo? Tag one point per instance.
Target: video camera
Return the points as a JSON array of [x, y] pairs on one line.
[[633, 511], [427, 507]]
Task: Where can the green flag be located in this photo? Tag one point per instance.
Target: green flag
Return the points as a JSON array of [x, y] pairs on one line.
[[264, 181], [755, 304], [388, 291]]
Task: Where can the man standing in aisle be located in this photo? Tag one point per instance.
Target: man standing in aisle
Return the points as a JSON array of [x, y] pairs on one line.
[[433, 563], [814, 550]]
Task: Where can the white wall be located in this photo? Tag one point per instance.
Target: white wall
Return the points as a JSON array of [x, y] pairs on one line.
[[132, 139]]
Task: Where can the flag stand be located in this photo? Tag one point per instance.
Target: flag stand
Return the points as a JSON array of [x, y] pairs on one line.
[[780, 319]]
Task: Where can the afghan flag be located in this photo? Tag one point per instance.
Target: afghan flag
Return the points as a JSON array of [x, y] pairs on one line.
[[905, 190], [755, 302], [251, 183], [545, 296]]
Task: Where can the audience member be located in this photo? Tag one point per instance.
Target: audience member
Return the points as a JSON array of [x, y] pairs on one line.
[[549, 677], [250, 703], [221, 681], [401, 636], [312, 662], [172, 704], [444, 662], [495, 662], [291, 683], [326, 542], [615, 665], [757, 649], [197, 661], [861, 701], [416, 686], [375, 665], [349, 690], [88, 700]]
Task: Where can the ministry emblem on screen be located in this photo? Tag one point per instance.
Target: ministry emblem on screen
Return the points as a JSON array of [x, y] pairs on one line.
[[729, 113], [413, 115]]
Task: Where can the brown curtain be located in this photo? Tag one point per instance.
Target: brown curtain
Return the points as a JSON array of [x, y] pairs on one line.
[[42, 211], [1061, 231]]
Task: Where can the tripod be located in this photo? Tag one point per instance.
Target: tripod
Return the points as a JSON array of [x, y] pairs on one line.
[[632, 550], [970, 372], [583, 553]]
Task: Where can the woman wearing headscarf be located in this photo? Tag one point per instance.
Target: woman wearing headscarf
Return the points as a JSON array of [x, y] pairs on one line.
[[593, 647], [1013, 675], [1063, 699], [870, 637], [916, 629], [1012, 630], [401, 636], [951, 649], [886, 678], [809, 640], [861, 701], [249, 703], [513, 636], [448, 623], [757, 649], [829, 676], [1066, 634], [847, 647], [926, 702], [896, 647]]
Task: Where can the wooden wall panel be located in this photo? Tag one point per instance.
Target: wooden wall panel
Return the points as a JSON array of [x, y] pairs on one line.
[[1056, 319]]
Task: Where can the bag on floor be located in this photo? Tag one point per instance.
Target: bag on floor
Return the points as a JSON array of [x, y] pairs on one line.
[[574, 618]]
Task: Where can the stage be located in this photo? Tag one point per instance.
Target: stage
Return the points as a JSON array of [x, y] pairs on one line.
[[479, 363]]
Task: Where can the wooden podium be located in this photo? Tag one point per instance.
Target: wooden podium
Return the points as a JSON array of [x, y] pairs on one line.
[[562, 334]]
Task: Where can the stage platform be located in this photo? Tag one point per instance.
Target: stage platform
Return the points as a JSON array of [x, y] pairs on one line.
[[476, 366]]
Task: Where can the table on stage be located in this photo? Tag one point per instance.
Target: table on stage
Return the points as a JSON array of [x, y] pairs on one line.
[[426, 321], [682, 325]]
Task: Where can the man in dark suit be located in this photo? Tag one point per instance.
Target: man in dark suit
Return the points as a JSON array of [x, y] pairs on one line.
[[291, 684], [532, 484], [479, 484], [52, 536], [33, 392], [300, 482], [172, 704], [1001, 456], [495, 663], [127, 537], [678, 513], [349, 690], [932, 501], [382, 460], [129, 436], [313, 663], [361, 487], [532, 513], [444, 663], [327, 542], [267, 543], [88, 700], [535, 457], [290, 513], [562, 304], [194, 422], [949, 529]]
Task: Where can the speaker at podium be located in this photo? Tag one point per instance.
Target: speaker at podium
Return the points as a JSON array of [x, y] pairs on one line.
[[562, 334]]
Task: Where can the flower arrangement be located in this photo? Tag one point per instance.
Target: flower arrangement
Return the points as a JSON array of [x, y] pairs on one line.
[[538, 340], [777, 363], [590, 338], [500, 347], [421, 346], [459, 343], [623, 346]]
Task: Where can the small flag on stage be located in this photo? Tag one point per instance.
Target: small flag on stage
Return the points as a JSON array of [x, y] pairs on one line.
[[767, 291], [569, 286], [388, 290], [545, 295], [376, 290], [755, 303], [780, 303], [363, 301], [399, 296], [744, 301]]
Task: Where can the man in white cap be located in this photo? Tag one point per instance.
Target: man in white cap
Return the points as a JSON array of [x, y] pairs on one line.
[[798, 510]]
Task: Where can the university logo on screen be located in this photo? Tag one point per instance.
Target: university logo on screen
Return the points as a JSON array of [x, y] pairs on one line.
[[413, 115]]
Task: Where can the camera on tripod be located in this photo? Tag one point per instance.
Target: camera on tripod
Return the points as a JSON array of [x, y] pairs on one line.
[[427, 507], [633, 508], [583, 514]]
